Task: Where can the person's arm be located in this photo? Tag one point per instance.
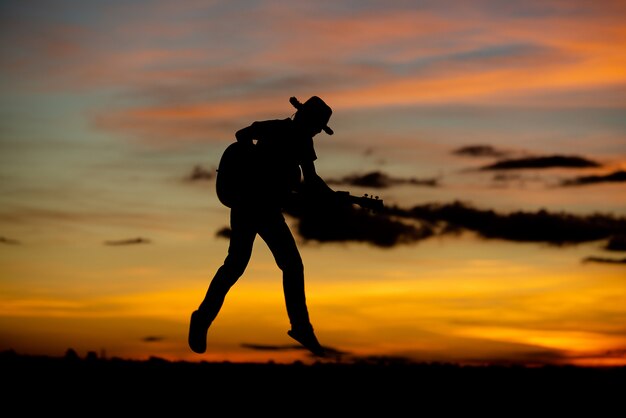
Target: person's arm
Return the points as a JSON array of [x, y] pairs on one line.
[[312, 180]]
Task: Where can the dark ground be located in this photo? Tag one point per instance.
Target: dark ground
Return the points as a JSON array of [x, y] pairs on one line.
[[95, 387]]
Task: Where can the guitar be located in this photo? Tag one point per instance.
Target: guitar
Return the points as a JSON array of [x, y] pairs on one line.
[[240, 179], [233, 173]]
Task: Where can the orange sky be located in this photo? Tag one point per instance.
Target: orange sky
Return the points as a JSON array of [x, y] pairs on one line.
[[108, 107]]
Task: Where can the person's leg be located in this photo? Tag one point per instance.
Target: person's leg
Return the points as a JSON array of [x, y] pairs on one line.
[[239, 252], [276, 233]]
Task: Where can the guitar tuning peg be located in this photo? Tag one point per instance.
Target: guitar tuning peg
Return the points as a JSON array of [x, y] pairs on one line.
[[376, 198], [365, 195]]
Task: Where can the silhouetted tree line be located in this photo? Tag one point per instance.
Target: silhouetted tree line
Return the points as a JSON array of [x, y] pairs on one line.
[[379, 385]]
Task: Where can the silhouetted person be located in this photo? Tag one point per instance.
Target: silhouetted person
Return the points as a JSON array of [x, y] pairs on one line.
[[281, 159]]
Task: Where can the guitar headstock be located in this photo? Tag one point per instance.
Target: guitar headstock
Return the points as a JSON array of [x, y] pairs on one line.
[[370, 202], [367, 201]]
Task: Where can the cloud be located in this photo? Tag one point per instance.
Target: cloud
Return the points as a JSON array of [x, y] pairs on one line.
[[223, 232], [330, 351], [480, 151], [552, 161], [505, 178], [172, 124], [606, 260], [379, 180], [202, 61], [339, 222], [615, 177], [26, 215], [524, 354], [199, 173], [130, 241], [616, 243], [540, 226], [152, 339], [8, 241]]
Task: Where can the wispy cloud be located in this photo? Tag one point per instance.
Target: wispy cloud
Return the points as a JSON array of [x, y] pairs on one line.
[[177, 76], [330, 351], [397, 226], [9, 241], [481, 151], [606, 260], [29, 215], [550, 161], [200, 173], [153, 339], [614, 177], [129, 241], [380, 180]]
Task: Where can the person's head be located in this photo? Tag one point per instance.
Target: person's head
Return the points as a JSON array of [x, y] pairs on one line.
[[313, 115]]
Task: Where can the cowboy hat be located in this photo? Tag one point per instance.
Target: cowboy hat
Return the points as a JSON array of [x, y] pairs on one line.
[[315, 108]]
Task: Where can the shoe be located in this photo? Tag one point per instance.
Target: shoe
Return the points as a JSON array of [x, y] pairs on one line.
[[198, 327], [308, 340]]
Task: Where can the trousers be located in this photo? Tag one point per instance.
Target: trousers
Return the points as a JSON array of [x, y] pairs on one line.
[[269, 223]]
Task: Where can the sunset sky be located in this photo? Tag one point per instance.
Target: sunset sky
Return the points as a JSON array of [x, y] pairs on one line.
[[494, 131]]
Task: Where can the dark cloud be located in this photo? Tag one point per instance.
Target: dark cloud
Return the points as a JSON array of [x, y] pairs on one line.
[[607, 260], [552, 161], [342, 222], [615, 177], [379, 180], [515, 178], [616, 243], [266, 347], [152, 339], [130, 241], [331, 352], [529, 357], [223, 232], [480, 151], [199, 173], [540, 226], [500, 177], [8, 241]]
